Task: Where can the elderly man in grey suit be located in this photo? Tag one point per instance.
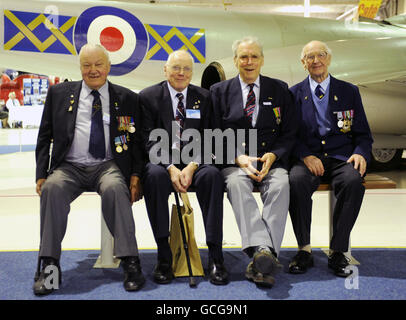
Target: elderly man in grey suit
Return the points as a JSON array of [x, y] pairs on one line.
[[251, 101], [91, 124]]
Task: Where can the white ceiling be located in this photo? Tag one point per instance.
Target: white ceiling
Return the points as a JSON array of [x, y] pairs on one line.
[[318, 8]]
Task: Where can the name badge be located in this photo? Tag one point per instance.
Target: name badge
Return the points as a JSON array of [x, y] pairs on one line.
[[267, 103], [192, 114], [106, 118]]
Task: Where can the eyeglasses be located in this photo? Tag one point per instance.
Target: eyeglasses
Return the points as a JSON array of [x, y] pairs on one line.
[[179, 69], [321, 56]]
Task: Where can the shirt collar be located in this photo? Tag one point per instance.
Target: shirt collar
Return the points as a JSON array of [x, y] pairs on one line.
[[244, 84], [324, 84], [173, 92], [103, 90]]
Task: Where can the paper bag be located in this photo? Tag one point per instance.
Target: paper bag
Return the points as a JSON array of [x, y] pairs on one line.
[[179, 263]]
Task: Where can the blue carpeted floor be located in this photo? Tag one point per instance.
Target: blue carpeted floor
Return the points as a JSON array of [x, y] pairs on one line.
[[381, 276]]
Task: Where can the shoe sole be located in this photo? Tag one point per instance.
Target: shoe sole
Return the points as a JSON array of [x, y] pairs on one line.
[[266, 265], [260, 280]]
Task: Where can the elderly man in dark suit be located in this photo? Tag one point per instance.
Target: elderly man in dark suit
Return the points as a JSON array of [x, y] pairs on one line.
[[334, 145], [91, 125], [261, 105], [172, 107]]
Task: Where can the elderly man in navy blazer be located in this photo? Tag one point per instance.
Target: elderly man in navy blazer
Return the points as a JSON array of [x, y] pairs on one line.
[[334, 145], [262, 105], [172, 107], [91, 125]]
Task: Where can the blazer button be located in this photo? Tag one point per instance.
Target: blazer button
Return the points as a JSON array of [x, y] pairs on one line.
[[323, 142], [326, 154], [263, 144], [243, 144]]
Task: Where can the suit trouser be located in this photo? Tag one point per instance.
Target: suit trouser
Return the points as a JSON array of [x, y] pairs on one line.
[[255, 228], [65, 184], [209, 185], [348, 190]]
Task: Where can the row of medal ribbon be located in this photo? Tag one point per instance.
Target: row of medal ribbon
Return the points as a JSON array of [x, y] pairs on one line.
[[124, 124], [344, 120]]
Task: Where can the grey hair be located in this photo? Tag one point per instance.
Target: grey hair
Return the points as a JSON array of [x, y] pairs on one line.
[[328, 50], [248, 39], [94, 46]]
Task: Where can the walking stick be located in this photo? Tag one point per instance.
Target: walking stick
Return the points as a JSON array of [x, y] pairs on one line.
[[192, 281]]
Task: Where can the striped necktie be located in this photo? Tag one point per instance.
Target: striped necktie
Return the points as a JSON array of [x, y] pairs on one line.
[[319, 92], [97, 144], [250, 105], [180, 117]]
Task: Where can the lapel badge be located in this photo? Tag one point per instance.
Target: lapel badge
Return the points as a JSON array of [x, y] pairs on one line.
[[306, 98], [335, 98]]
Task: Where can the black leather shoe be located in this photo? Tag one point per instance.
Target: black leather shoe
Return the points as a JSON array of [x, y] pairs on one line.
[[301, 262], [261, 280], [266, 263], [49, 278], [339, 263], [218, 273], [133, 277], [163, 273]]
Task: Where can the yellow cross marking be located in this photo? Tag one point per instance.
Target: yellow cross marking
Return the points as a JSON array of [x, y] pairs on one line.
[[26, 31], [162, 42]]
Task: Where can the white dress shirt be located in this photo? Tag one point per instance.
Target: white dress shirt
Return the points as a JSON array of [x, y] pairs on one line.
[[79, 151], [245, 90]]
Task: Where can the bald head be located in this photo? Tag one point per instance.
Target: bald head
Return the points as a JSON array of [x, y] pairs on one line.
[[179, 69]]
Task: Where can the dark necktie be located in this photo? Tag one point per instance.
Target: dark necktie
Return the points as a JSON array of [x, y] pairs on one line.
[[319, 92], [180, 116], [250, 105], [97, 147]]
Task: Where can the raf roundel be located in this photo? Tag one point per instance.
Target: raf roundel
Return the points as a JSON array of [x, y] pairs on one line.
[[120, 32]]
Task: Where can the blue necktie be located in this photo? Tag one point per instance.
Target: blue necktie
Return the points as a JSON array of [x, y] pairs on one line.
[[319, 92], [250, 104], [97, 147]]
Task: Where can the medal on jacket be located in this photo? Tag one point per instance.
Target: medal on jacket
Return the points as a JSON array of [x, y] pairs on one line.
[[340, 122], [117, 142], [131, 128], [347, 122], [124, 142], [277, 112]]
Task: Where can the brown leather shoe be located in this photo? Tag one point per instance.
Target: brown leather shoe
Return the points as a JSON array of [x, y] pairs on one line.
[[258, 278]]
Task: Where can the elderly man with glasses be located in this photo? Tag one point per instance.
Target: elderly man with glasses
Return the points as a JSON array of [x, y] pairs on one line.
[[334, 145], [173, 106]]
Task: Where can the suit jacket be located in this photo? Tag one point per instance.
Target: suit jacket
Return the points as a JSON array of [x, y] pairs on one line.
[[157, 113], [344, 100], [58, 127], [273, 135]]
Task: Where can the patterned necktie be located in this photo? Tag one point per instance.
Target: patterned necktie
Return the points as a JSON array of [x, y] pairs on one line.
[[250, 105], [180, 116], [319, 92], [97, 147]]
